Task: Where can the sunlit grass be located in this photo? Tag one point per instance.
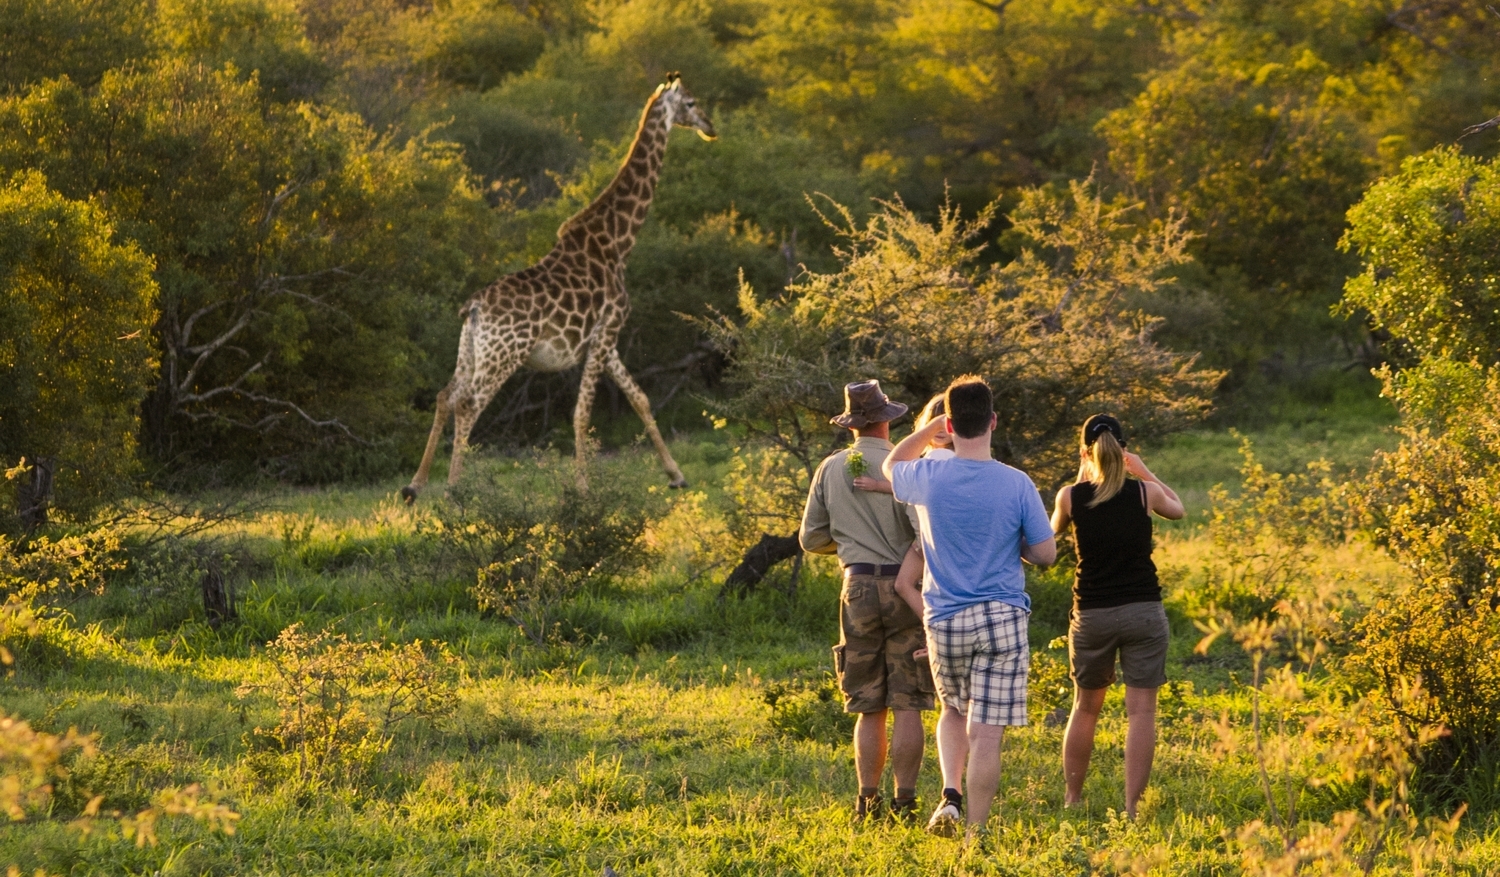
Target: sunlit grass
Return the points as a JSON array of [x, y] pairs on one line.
[[645, 745]]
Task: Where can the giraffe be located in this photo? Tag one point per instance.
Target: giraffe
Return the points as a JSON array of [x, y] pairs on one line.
[[570, 306]]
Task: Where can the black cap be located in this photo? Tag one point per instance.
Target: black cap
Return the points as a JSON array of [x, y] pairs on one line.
[[1098, 425]]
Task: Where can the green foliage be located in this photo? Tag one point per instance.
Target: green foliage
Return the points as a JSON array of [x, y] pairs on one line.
[[803, 709], [1056, 332], [339, 700], [476, 44], [76, 310], [1434, 504], [260, 38], [1266, 535], [295, 252], [541, 539], [1427, 237], [45, 39], [1266, 122]]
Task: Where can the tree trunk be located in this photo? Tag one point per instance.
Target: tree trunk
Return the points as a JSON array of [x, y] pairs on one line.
[[34, 492], [758, 560], [218, 603]]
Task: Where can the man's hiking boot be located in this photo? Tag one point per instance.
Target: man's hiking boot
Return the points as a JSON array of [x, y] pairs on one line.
[[868, 808], [948, 817], [904, 810]]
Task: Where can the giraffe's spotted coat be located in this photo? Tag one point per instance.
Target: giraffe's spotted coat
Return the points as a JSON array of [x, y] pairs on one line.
[[570, 306]]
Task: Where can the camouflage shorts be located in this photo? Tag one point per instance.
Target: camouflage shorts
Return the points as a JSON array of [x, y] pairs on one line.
[[874, 658]]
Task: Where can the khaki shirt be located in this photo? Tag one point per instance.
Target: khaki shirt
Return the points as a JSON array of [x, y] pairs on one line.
[[862, 526]]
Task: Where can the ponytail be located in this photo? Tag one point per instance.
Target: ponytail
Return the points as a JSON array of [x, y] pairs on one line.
[[1107, 459]]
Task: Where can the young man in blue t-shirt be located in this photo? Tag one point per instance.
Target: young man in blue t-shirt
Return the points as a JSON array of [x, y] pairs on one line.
[[980, 519]]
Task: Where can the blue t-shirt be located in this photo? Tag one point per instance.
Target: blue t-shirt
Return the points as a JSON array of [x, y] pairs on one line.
[[974, 514]]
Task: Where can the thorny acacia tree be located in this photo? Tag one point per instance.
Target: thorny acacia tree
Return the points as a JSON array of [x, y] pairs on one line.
[[1060, 333]]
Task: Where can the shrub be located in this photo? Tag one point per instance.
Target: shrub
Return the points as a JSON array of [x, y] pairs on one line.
[[1058, 332], [32, 762], [1434, 504], [538, 539], [340, 701], [76, 310], [803, 709], [1265, 535]]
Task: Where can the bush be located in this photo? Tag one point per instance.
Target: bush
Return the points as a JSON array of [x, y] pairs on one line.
[[76, 311], [1058, 332], [1265, 535], [803, 709], [339, 701], [537, 538], [1434, 504]]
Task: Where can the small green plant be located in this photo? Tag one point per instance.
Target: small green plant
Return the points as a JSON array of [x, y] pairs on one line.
[[538, 539], [1265, 536], [804, 709], [33, 762], [339, 701], [855, 464]]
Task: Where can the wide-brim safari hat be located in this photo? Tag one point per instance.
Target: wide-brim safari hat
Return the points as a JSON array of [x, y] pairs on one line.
[[864, 404]]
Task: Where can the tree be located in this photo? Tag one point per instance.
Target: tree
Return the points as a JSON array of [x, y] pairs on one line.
[[1429, 238], [306, 266], [76, 356], [1059, 333], [1264, 125], [45, 39]]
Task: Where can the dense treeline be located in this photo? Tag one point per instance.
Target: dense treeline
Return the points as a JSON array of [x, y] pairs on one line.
[[317, 184]]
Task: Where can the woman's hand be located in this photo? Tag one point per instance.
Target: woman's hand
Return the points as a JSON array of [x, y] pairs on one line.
[[1135, 466], [873, 485]]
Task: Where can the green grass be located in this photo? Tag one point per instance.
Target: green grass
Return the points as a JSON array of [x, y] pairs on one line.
[[642, 741]]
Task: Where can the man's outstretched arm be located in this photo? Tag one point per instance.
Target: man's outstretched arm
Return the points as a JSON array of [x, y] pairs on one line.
[[911, 447]]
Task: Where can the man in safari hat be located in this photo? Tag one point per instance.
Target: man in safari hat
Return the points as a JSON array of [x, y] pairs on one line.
[[877, 661]]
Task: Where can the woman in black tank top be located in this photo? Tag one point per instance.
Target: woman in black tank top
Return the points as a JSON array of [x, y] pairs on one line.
[[1116, 601]]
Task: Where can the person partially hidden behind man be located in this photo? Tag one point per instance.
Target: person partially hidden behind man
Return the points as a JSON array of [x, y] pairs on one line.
[[979, 519], [880, 658]]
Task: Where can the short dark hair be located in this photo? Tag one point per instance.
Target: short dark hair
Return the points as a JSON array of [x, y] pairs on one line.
[[970, 404]]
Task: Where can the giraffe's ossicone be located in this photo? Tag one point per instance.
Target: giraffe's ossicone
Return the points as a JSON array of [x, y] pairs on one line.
[[570, 306]]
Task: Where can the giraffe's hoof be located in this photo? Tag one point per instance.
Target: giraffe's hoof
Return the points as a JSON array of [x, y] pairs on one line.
[[678, 483], [409, 494]]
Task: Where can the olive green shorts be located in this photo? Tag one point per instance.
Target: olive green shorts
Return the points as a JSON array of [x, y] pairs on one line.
[[875, 660], [1136, 632]]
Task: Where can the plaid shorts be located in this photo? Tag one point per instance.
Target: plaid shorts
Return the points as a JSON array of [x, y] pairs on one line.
[[980, 658]]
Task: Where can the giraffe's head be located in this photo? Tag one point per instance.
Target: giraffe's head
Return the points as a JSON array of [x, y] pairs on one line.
[[683, 109]]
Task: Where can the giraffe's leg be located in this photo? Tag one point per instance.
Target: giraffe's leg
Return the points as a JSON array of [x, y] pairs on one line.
[[593, 364], [466, 410], [439, 423], [642, 406]]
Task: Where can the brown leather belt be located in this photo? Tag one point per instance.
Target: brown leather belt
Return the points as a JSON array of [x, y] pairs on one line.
[[872, 569]]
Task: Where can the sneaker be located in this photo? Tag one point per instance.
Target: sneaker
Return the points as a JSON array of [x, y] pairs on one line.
[[872, 807], [945, 820], [904, 810]]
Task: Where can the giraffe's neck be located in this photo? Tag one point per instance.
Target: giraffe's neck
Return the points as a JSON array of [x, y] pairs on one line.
[[621, 208]]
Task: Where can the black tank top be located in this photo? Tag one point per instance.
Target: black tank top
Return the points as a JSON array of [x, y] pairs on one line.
[[1114, 548]]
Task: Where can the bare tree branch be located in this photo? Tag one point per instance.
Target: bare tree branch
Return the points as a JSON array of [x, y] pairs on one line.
[[997, 7], [1482, 126], [203, 352]]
